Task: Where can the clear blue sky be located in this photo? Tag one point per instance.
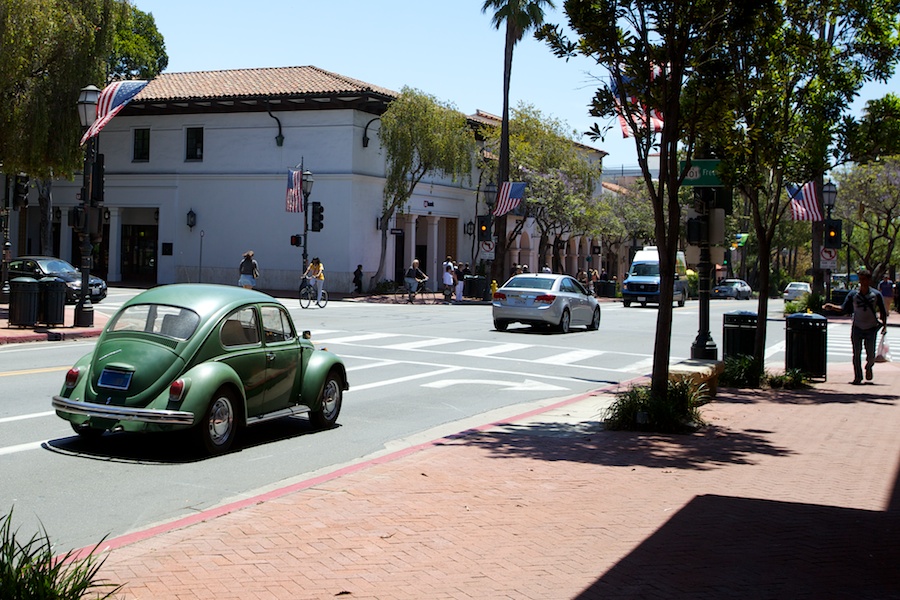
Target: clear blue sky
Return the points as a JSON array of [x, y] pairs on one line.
[[445, 48]]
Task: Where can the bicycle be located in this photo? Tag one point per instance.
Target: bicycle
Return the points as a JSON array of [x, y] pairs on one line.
[[422, 294], [308, 295]]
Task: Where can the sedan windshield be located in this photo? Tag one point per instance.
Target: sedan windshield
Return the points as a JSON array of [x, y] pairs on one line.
[[169, 321], [56, 265]]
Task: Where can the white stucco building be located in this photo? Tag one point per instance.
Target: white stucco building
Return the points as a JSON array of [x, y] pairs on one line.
[[219, 144]]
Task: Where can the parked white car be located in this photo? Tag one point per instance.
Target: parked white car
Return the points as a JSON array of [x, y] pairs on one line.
[[795, 289]]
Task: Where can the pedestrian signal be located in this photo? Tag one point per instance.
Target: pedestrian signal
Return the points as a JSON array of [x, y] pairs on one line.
[[295, 239], [318, 216]]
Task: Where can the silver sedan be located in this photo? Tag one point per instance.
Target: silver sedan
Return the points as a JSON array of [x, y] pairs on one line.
[[545, 299]]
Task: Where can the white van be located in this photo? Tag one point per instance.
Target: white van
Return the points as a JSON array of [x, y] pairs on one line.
[[642, 282]]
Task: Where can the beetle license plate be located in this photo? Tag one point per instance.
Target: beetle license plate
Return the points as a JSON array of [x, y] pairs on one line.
[[117, 380]]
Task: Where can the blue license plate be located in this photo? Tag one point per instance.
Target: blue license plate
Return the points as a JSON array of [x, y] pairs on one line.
[[117, 380]]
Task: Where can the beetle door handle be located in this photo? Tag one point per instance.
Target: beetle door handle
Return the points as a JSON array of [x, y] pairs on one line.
[[270, 356]]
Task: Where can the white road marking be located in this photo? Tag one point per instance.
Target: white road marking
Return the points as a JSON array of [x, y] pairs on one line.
[[29, 416], [565, 358], [349, 339], [495, 349], [419, 344], [21, 447], [375, 384], [513, 386]]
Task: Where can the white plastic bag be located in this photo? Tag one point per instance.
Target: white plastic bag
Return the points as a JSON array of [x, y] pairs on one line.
[[884, 351]]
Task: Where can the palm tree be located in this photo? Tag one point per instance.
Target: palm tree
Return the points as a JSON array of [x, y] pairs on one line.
[[519, 16]]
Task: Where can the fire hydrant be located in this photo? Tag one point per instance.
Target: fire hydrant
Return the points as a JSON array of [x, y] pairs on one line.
[[494, 286]]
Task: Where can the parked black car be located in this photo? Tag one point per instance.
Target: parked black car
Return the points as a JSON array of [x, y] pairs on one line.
[[39, 267]]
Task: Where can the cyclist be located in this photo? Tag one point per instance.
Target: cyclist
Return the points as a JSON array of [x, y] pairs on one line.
[[414, 277], [316, 272]]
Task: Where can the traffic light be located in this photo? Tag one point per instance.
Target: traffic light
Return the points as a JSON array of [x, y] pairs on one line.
[[295, 239], [20, 192], [696, 230], [98, 170], [317, 216], [484, 228], [77, 219], [833, 233]]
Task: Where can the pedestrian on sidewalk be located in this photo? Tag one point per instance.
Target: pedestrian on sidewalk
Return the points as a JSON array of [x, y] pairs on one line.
[[357, 279], [866, 304], [248, 271]]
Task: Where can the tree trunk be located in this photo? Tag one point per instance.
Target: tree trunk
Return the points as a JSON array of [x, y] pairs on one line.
[[379, 274], [45, 202], [499, 265]]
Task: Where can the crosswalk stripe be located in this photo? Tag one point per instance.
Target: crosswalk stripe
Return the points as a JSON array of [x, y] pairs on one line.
[[418, 344], [565, 358], [496, 349], [640, 367], [347, 339]]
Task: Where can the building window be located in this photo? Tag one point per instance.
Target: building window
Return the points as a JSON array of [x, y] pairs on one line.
[[193, 143], [141, 145]]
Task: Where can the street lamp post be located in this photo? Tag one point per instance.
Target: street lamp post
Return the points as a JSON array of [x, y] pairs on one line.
[[490, 197], [307, 185], [87, 113], [829, 197]]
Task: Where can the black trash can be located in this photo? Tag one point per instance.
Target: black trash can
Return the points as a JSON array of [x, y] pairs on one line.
[[607, 289], [738, 333], [473, 286], [24, 295], [53, 301], [806, 339]]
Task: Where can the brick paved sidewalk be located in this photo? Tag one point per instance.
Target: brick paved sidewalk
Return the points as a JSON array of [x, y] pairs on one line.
[[784, 495]]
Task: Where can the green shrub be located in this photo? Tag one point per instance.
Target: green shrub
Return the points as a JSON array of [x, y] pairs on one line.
[[29, 570], [793, 306], [742, 371], [635, 409], [385, 286], [791, 379]]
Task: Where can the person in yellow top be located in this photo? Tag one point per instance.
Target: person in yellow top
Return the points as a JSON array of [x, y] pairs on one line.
[[316, 272]]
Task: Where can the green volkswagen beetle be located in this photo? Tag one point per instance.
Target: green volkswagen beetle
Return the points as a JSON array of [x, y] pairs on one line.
[[211, 358]]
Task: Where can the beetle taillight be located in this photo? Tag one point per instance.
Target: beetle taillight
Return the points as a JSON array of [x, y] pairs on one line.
[[72, 377], [176, 390]]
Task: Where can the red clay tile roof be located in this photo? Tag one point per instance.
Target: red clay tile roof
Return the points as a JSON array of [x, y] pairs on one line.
[[254, 83]]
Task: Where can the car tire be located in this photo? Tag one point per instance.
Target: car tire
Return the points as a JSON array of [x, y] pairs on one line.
[[565, 321], [626, 303], [220, 422], [681, 300], [330, 400], [500, 325], [595, 320]]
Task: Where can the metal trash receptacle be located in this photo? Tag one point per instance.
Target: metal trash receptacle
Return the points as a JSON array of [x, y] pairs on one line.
[[738, 333], [806, 340], [473, 286], [24, 296], [53, 301]]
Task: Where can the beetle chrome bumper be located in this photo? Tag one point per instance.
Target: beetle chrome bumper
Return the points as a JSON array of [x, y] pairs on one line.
[[123, 413]]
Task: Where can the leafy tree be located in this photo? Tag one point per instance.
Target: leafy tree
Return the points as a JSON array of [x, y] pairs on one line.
[[519, 17], [559, 173], [420, 136], [657, 52], [870, 208], [139, 50], [789, 79], [877, 134]]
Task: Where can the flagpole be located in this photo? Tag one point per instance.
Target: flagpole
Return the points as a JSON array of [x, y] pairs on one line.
[[305, 214]]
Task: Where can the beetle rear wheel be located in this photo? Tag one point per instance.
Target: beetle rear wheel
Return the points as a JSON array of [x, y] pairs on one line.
[[329, 402], [219, 425]]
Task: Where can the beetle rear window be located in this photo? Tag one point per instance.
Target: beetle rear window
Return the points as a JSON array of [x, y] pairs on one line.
[[168, 321]]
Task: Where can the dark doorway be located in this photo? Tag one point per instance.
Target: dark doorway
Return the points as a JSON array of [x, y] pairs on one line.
[[139, 253], [399, 262]]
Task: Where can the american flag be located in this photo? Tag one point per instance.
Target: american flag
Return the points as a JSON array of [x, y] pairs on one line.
[[641, 113], [293, 201], [509, 197], [113, 98], [804, 203]]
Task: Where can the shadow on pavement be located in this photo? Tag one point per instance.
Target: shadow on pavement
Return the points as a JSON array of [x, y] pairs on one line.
[[726, 547]]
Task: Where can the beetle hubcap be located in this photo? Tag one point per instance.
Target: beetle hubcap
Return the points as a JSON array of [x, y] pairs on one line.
[[330, 396], [221, 420]]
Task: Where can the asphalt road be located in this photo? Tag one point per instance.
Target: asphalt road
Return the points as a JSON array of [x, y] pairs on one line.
[[416, 373]]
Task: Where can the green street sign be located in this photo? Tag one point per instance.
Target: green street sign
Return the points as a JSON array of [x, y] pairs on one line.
[[704, 172]]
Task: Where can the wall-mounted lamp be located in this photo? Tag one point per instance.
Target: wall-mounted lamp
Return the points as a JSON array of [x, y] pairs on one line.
[[106, 215], [366, 131], [191, 219], [470, 228], [156, 215], [279, 139], [57, 214], [429, 204]]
